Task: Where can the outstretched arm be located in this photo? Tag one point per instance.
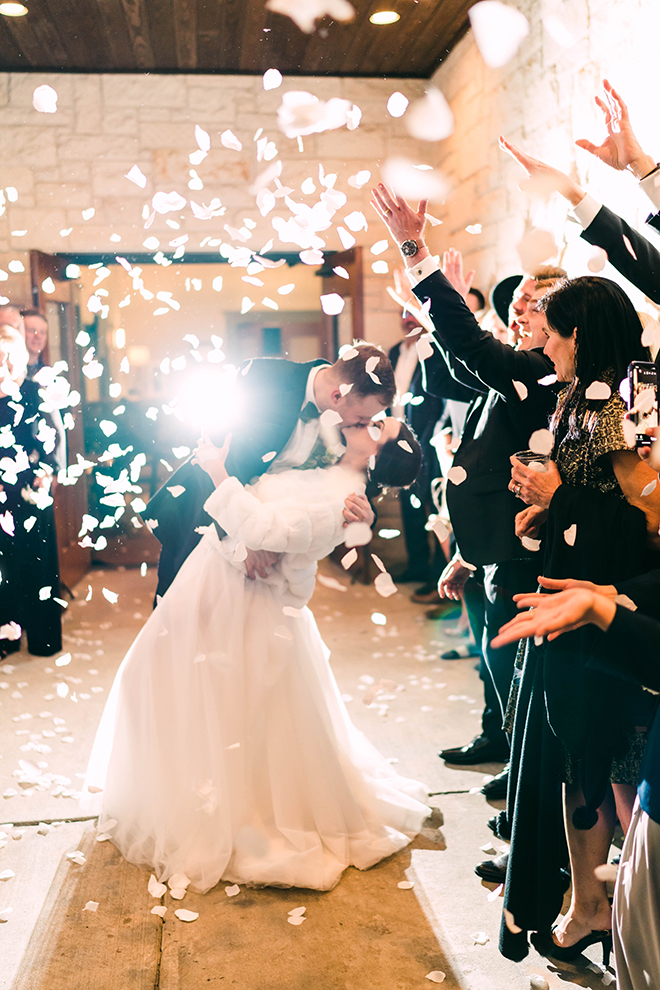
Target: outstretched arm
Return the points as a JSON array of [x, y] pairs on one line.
[[495, 364], [627, 250]]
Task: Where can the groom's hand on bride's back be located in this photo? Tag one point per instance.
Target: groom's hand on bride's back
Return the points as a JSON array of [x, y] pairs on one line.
[[357, 508], [259, 562]]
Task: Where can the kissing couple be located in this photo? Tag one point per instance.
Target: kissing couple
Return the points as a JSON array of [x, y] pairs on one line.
[[225, 751]]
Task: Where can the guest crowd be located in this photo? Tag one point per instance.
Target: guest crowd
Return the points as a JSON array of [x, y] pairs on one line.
[[554, 507], [534, 522]]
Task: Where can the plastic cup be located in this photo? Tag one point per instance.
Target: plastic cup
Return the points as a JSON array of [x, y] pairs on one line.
[[537, 462]]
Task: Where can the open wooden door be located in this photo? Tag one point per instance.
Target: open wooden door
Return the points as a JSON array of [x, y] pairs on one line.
[[59, 307], [349, 324]]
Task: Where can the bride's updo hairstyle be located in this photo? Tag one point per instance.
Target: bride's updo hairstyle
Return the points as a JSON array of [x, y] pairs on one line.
[[398, 462]]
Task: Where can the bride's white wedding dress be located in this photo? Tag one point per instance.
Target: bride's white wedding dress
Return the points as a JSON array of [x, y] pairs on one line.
[[225, 750]]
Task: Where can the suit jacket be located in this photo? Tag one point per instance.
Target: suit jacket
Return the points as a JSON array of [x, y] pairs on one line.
[[607, 231], [270, 395], [499, 423]]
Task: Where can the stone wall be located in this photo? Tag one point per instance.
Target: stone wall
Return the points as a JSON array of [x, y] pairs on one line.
[[543, 101], [75, 160]]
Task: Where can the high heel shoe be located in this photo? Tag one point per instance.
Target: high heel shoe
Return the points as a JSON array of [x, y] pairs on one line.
[[545, 945]]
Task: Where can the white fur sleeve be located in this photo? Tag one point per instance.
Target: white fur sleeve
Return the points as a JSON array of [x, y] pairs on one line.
[[286, 526]]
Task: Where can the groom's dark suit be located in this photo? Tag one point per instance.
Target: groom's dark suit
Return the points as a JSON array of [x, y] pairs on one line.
[[270, 396]]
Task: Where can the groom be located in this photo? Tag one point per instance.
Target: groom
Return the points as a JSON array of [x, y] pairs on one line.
[[280, 405]]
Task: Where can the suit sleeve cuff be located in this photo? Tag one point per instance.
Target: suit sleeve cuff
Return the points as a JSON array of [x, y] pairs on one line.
[[587, 210], [651, 186], [419, 272]]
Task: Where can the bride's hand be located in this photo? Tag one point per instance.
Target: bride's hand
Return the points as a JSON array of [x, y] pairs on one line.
[[212, 459], [357, 508]]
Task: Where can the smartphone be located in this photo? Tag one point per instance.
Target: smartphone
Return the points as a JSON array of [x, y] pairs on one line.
[[643, 400]]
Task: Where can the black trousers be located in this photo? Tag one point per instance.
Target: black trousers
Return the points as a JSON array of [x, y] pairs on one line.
[[489, 602], [428, 564]]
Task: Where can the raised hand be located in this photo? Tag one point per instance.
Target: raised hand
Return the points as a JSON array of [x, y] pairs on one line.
[[620, 149], [452, 269], [212, 459], [544, 179], [402, 221]]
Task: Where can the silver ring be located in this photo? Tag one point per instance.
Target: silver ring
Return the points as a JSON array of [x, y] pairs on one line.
[[517, 489]]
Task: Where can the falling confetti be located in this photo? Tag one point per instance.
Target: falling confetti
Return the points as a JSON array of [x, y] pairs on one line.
[[598, 390], [597, 259], [521, 389], [430, 119], [570, 535], [44, 99], [457, 475], [498, 31], [397, 104], [305, 13]]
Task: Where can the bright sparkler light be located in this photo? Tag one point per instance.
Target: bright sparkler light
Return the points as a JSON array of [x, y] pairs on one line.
[[209, 398]]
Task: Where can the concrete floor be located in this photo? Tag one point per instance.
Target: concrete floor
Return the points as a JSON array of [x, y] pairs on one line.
[[366, 934]]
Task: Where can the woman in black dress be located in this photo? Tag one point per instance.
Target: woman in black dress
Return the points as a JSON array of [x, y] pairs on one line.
[[600, 506], [28, 544]]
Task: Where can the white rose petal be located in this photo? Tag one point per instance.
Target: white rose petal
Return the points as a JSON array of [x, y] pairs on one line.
[[598, 390], [498, 31], [437, 976], [521, 389], [44, 99], [235, 889], [91, 906], [405, 885], [184, 915], [457, 475], [430, 119], [570, 534], [397, 104]]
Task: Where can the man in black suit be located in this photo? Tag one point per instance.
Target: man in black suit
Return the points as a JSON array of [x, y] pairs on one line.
[[421, 411], [282, 410], [511, 403]]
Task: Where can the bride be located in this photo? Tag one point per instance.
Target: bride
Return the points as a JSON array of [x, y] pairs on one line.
[[225, 751]]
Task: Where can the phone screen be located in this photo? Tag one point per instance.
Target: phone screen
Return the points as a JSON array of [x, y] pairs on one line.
[[643, 404]]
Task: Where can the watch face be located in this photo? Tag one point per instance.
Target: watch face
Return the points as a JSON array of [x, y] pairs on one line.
[[409, 248]]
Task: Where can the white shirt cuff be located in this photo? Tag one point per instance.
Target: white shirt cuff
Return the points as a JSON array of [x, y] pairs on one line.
[[651, 186], [586, 210], [425, 268]]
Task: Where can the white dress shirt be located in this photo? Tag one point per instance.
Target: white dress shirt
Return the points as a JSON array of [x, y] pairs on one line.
[[304, 437], [403, 373]]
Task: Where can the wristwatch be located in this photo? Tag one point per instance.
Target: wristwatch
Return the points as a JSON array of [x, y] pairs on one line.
[[409, 248]]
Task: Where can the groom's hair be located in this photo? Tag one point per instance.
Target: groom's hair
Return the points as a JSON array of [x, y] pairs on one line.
[[377, 380]]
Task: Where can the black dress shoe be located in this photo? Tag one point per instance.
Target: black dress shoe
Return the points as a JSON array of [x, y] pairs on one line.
[[480, 750], [496, 788], [499, 826], [493, 870]]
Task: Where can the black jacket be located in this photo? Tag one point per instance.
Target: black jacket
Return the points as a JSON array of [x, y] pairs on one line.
[[498, 423], [270, 395], [607, 231]]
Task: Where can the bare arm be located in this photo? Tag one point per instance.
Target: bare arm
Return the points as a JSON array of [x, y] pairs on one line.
[[634, 477]]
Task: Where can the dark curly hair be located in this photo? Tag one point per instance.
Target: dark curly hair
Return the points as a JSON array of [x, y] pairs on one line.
[[397, 466]]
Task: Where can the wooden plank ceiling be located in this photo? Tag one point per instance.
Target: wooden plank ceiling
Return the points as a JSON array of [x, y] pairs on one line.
[[227, 36]]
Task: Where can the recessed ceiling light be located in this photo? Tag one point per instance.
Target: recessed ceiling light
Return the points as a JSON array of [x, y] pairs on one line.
[[13, 9], [384, 17]]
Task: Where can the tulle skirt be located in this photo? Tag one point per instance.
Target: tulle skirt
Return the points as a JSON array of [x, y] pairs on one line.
[[226, 752]]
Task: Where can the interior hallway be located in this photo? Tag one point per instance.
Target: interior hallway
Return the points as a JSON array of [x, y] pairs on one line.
[[366, 934]]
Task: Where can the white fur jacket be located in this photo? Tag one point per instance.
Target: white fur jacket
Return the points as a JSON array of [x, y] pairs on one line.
[[298, 514]]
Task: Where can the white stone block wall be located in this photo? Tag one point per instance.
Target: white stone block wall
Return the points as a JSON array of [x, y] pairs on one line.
[[76, 159], [543, 100]]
